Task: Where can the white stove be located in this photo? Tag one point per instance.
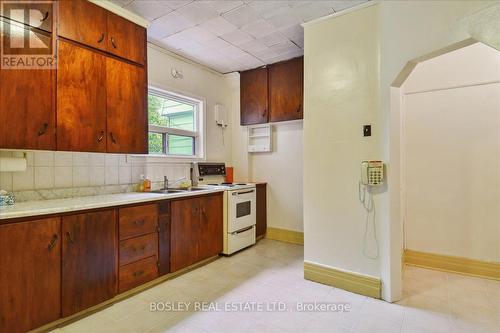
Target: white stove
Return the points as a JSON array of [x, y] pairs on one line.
[[239, 205]]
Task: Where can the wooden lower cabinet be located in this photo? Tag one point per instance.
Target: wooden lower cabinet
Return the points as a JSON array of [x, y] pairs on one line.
[[137, 273], [30, 274], [210, 242], [164, 221], [196, 230], [89, 260], [261, 210], [56, 267], [184, 233]]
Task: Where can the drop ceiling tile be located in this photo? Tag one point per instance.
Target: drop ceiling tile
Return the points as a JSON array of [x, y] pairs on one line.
[[284, 20], [253, 46], [286, 47], [299, 42], [168, 25], [286, 56], [121, 3], [176, 4], [149, 9], [269, 8], [312, 11], [344, 4], [293, 31], [273, 39], [237, 37], [198, 35], [258, 29], [177, 42], [218, 26], [223, 6], [197, 12], [266, 55], [233, 52], [241, 16], [219, 44]]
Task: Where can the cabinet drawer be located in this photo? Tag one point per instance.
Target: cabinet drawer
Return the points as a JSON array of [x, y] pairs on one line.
[[137, 273], [139, 220], [138, 248]]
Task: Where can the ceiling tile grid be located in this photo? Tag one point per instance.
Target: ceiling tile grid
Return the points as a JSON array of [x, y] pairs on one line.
[[232, 35]]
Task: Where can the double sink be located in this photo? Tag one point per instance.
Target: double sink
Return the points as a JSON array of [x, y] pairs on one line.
[[169, 190]]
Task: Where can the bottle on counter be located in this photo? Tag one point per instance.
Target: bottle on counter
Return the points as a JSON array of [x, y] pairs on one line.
[[146, 187]]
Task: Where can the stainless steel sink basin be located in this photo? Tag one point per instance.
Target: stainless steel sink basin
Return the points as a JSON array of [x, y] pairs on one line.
[[191, 189], [168, 191]]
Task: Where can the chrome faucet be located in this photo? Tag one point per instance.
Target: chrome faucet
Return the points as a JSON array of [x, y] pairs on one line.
[[166, 183]]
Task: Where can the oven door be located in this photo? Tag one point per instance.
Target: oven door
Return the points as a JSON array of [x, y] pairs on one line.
[[241, 209]]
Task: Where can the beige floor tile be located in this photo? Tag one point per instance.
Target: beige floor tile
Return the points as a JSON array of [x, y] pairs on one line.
[[434, 302]]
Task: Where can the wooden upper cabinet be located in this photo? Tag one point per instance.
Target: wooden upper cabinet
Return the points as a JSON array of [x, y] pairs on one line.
[[126, 108], [83, 22], [126, 39], [272, 94], [286, 90], [81, 99], [92, 25], [30, 274], [89, 260], [27, 108], [211, 224], [254, 97], [38, 14]]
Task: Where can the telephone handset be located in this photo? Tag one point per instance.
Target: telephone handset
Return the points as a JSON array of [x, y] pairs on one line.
[[372, 173]]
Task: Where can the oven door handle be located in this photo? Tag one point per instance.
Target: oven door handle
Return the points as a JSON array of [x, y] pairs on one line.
[[244, 192], [242, 230]]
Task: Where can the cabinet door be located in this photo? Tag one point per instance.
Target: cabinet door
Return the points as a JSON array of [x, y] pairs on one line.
[[127, 108], [286, 90], [30, 274], [261, 210], [253, 96], [83, 22], [27, 112], [126, 39], [184, 233], [89, 260], [81, 99], [210, 232], [38, 14], [164, 237]]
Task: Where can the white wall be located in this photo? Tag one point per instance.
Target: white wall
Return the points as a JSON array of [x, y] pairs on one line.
[[281, 169], [341, 94], [199, 82], [452, 154], [53, 174], [344, 89]]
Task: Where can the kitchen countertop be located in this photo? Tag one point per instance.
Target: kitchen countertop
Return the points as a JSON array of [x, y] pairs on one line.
[[56, 206]]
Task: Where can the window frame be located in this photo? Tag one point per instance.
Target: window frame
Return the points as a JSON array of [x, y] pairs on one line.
[[198, 134]]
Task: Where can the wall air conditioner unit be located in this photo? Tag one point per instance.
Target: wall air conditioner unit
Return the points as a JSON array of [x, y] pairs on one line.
[[259, 138]]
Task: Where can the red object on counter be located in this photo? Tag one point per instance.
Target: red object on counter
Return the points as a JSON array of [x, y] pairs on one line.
[[229, 174]]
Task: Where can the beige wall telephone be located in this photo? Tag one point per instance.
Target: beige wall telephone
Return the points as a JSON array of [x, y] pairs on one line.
[[372, 173]]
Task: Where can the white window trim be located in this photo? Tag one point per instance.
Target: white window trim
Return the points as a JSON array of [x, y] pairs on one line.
[[199, 134]]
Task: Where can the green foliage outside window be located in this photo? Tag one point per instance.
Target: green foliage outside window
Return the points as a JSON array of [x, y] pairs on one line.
[[173, 114]]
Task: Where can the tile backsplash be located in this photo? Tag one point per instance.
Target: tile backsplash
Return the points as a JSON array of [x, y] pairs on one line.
[[65, 174]]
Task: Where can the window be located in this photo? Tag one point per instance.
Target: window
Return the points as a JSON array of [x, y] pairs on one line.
[[175, 124]]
